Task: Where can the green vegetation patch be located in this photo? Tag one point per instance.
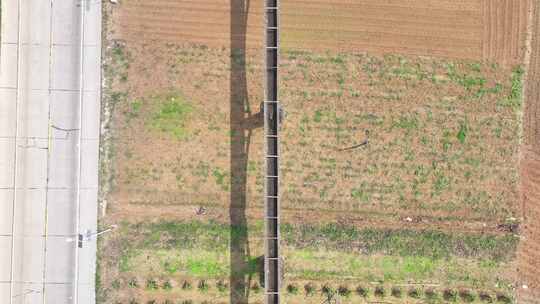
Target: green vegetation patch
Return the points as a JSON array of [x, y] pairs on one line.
[[323, 265], [427, 243], [406, 243], [515, 97], [328, 252], [200, 266], [171, 115]]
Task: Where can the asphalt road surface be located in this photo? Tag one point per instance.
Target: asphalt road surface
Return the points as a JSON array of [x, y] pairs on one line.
[[49, 139]]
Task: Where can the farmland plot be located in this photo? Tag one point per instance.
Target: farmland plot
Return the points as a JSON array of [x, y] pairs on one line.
[[425, 207]]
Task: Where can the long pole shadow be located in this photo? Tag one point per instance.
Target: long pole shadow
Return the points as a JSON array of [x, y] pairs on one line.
[[242, 122]]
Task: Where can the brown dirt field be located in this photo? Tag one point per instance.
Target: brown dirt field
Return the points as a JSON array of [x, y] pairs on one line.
[[467, 29], [324, 187], [531, 115], [529, 251], [505, 26]]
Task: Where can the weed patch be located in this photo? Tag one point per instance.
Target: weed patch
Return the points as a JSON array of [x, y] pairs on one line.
[[171, 115], [514, 99], [204, 268]]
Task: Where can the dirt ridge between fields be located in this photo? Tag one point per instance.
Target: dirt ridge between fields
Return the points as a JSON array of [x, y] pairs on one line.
[[529, 249]]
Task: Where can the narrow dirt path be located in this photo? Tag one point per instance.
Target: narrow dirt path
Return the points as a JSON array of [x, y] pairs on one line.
[[529, 250]]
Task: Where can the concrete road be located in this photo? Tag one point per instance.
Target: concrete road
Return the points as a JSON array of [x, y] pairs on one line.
[[49, 139]]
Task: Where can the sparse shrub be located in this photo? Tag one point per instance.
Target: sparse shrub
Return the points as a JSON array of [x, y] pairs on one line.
[[115, 284], [187, 302], [484, 296], [151, 284], [133, 283], [256, 287], [362, 291], [168, 302], [292, 289], [221, 286], [450, 295], [379, 291], [466, 296], [327, 290], [414, 293], [133, 301], [501, 298], [431, 294], [186, 285], [344, 291], [396, 292], [203, 286], [167, 285], [151, 302], [310, 289]]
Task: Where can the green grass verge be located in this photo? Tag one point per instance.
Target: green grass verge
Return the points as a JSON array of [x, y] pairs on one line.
[[328, 252], [428, 243]]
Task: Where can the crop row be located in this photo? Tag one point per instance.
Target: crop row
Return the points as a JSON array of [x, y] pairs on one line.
[[327, 291]]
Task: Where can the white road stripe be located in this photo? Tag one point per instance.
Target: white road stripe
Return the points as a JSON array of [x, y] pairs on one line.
[[49, 135], [17, 98], [79, 159]]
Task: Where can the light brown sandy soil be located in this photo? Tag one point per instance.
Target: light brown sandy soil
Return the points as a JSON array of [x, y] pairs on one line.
[[157, 176], [529, 250], [505, 25], [470, 29]]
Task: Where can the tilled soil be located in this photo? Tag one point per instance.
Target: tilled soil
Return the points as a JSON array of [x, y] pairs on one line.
[[470, 29], [158, 176], [505, 25]]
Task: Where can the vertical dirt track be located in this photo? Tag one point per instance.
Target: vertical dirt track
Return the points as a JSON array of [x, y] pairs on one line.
[[466, 29], [529, 251]]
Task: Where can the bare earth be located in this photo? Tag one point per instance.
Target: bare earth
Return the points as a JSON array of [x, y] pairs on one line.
[[529, 253], [466, 29]]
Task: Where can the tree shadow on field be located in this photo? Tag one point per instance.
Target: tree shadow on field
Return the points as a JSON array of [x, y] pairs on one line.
[[242, 122]]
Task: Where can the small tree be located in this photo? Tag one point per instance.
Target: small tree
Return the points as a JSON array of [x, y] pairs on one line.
[[344, 291], [309, 288], [186, 285], [167, 285], [362, 291], [379, 291], [450, 295], [292, 289], [151, 284], [396, 292], [414, 293], [203, 286]]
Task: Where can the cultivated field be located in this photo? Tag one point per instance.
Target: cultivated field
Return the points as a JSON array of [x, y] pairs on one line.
[[428, 210], [465, 29]]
